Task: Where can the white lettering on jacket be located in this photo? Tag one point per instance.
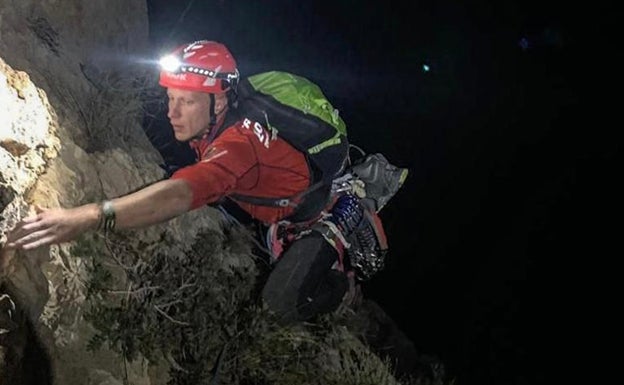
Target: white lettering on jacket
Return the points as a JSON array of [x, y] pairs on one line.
[[261, 133]]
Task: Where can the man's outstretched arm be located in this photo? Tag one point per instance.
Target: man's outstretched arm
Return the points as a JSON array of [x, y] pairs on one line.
[[153, 204]]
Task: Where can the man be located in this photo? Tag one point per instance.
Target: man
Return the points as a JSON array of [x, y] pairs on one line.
[[233, 160]]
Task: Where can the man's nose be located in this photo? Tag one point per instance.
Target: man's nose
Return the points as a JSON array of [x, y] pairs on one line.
[[174, 110]]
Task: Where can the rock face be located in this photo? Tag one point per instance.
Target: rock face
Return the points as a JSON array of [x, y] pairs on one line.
[[66, 140]]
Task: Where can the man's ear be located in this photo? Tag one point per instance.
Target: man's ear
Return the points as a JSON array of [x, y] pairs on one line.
[[220, 102]]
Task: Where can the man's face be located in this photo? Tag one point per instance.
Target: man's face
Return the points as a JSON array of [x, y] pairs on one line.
[[189, 113]]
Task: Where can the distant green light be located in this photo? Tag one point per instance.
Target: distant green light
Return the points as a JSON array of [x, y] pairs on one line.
[[425, 68]]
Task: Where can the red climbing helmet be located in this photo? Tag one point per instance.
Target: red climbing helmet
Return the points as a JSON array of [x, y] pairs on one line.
[[204, 66]]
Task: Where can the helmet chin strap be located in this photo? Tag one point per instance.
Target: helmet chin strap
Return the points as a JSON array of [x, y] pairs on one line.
[[213, 121], [213, 115]]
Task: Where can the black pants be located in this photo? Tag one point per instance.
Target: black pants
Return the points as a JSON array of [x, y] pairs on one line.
[[303, 284]]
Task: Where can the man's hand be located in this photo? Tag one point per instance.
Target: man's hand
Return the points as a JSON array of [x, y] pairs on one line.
[[153, 204], [53, 226]]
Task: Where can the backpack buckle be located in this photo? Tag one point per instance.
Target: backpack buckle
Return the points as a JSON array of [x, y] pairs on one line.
[[283, 202]]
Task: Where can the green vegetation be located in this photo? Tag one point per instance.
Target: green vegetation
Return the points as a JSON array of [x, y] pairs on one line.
[[200, 312]]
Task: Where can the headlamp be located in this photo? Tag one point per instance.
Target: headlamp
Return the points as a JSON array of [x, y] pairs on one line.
[[170, 63]]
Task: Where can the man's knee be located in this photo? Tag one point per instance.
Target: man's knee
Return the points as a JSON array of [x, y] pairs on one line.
[[303, 283]]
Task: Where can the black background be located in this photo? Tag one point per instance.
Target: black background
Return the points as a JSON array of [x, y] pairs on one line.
[[507, 163]]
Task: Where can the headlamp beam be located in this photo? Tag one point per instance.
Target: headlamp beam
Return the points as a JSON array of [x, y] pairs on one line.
[[170, 63]]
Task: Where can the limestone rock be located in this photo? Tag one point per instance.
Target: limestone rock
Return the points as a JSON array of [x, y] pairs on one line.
[[64, 142]]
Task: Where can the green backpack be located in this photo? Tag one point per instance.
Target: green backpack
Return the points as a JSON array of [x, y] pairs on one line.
[[295, 109]]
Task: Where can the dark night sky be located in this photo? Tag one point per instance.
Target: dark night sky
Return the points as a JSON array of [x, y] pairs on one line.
[[499, 145]]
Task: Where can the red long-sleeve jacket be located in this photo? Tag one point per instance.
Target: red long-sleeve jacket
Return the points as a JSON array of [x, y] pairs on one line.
[[244, 159]]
